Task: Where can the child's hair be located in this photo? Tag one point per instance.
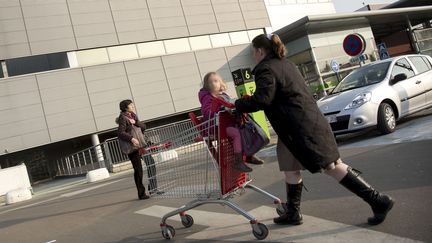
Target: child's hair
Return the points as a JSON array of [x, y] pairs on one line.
[[207, 85], [271, 44]]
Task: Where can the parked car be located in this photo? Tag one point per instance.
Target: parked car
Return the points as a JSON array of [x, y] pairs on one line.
[[379, 94]]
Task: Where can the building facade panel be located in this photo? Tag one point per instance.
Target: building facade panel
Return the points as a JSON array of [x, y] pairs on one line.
[[200, 17], [48, 25], [93, 23], [66, 104], [149, 87], [184, 80], [21, 114], [132, 20], [107, 86], [168, 18], [228, 15]]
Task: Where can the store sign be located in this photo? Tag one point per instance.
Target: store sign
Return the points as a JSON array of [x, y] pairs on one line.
[[242, 76], [354, 44]]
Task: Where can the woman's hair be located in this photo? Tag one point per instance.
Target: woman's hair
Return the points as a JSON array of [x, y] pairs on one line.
[[271, 43], [124, 105], [207, 85]]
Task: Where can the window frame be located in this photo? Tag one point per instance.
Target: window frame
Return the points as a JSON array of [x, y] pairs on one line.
[[394, 65], [415, 66]]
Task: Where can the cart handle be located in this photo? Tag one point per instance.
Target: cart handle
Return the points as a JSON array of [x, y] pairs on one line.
[[145, 150], [217, 102]]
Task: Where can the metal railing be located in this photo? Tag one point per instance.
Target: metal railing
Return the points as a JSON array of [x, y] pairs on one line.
[[108, 153]]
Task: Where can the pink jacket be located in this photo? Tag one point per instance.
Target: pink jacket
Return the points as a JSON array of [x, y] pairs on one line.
[[206, 100]]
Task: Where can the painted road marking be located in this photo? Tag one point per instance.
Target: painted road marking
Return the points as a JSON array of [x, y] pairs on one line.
[[232, 227], [70, 194], [62, 196]]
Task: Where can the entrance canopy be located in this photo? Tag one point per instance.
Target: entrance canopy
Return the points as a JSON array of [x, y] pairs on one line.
[[383, 22]]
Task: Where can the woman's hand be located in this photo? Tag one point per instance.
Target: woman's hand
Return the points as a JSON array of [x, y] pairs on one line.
[[135, 142]]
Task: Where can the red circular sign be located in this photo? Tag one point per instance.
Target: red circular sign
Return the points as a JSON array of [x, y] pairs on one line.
[[354, 44]]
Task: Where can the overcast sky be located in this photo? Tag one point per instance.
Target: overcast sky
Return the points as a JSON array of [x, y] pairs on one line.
[[352, 5]]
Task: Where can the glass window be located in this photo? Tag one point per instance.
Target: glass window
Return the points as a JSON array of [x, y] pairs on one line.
[[419, 64], [427, 62], [1, 71], [239, 37], [73, 60], [402, 66], [121, 53], [177, 45], [92, 57], [39, 63], [253, 33], [200, 42], [364, 76], [151, 49], [220, 40]]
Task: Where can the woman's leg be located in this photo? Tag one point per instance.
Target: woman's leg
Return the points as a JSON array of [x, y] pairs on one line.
[[293, 177], [380, 203], [337, 170], [294, 187], [151, 172], [135, 159]]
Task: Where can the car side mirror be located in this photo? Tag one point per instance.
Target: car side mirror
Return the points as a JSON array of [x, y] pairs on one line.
[[398, 78]]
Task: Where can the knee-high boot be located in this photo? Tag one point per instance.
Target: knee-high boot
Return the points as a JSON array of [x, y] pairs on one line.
[[380, 203], [292, 215]]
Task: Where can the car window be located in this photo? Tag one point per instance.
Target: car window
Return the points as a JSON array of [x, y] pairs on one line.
[[419, 64], [427, 62], [402, 66], [366, 75]]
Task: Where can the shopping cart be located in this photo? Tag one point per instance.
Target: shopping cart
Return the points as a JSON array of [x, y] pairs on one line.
[[202, 169]]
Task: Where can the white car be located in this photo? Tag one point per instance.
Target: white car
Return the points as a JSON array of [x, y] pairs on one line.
[[380, 93]]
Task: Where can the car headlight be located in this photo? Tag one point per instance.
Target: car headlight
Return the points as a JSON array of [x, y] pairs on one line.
[[359, 100]]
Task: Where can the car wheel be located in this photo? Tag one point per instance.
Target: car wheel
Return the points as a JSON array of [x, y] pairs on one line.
[[386, 119]]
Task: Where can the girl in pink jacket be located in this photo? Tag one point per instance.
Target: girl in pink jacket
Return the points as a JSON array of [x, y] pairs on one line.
[[215, 87]]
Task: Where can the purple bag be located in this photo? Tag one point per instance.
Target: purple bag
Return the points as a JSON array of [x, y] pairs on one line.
[[253, 136]]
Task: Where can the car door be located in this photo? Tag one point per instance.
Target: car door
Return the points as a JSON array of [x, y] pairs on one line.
[[410, 91], [423, 67]]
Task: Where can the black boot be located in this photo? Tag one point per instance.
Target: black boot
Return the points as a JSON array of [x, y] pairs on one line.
[[381, 204], [240, 165], [292, 215]]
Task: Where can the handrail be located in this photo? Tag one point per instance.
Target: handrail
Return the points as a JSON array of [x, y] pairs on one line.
[[108, 153]]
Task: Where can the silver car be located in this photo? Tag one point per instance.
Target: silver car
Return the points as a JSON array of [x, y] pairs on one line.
[[380, 93]]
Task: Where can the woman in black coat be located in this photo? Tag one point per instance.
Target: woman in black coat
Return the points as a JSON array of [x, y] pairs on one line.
[[126, 120], [283, 95]]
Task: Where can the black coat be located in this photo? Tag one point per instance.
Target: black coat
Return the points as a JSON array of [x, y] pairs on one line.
[[283, 95], [125, 127]]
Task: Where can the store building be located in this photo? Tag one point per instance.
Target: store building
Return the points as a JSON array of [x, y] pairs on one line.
[[315, 43]]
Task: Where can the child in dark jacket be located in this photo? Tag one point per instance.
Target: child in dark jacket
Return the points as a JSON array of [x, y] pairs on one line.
[[214, 87]]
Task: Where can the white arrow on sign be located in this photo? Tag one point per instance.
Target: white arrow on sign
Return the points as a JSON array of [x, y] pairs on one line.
[[232, 227]]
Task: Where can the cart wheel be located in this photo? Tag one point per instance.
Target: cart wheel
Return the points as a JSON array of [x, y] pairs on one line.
[[187, 221], [281, 209], [264, 231], [169, 232]]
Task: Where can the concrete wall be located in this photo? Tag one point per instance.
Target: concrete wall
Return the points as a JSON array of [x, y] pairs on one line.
[[53, 106], [30, 27]]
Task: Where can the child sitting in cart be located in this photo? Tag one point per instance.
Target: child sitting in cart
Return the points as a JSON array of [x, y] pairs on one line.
[[214, 87]]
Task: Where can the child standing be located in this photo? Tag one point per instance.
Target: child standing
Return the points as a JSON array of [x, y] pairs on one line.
[[213, 87]]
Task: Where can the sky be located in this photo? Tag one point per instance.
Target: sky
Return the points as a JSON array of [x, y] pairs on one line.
[[352, 5]]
